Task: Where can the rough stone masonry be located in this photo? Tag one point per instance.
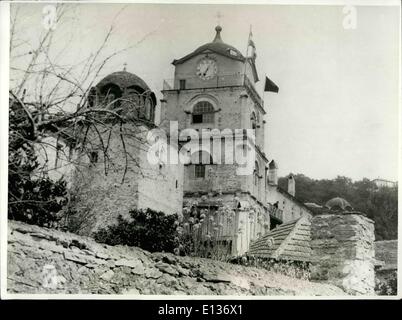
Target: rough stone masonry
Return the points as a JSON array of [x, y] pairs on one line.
[[50, 262], [343, 251]]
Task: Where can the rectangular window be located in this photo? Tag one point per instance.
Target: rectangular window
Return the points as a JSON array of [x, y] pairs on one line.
[[197, 118], [199, 171], [203, 118], [182, 84]]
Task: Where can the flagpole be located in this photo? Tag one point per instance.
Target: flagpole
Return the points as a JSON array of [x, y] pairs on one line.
[[245, 61], [263, 91]]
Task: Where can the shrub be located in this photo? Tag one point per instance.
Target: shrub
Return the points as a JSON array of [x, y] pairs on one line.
[[387, 286], [201, 231], [33, 199], [148, 229], [32, 196]]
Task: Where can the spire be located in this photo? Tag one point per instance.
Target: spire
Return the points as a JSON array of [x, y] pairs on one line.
[[218, 30]]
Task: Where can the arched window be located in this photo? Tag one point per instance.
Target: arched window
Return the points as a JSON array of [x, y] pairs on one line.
[[149, 109], [111, 94], [92, 97], [203, 112], [132, 104], [256, 173], [110, 98]]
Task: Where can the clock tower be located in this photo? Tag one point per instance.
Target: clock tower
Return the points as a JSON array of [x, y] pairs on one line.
[[213, 91]]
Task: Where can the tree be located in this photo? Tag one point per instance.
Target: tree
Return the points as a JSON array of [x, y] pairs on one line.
[[148, 229], [382, 207], [379, 204], [32, 199], [49, 97]]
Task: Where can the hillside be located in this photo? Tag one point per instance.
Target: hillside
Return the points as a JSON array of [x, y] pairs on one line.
[[380, 204], [47, 261]]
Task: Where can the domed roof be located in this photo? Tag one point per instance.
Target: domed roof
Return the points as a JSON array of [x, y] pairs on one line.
[[124, 79], [312, 205], [217, 46], [338, 204]]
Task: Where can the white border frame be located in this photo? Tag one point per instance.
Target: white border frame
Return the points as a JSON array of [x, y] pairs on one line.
[[4, 86]]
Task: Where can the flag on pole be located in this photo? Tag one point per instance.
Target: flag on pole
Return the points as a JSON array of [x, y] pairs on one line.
[[252, 44], [270, 85]]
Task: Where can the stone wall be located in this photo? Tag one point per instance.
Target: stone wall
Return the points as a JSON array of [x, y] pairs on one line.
[[386, 271], [217, 178], [101, 192], [343, 252], [50, 262], [387, 251]]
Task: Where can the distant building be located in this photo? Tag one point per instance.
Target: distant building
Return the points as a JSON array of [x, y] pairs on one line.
[[380, 183]]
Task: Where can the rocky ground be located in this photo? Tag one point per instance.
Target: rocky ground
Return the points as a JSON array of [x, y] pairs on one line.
[[48, 261]]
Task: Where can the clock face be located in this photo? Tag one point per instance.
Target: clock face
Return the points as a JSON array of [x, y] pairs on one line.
[[207, 68]]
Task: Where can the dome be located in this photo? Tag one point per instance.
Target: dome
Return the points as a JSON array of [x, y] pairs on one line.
[[217, 46], [312, 205], [338, 204], [124, 80]]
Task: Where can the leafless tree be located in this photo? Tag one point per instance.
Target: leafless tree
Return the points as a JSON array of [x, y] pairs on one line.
[[50, 98]]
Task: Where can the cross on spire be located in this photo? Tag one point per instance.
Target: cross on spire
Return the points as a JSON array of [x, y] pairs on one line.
[[125, 66]]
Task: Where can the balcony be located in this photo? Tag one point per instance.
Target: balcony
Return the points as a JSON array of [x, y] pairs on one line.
[[221, 81]]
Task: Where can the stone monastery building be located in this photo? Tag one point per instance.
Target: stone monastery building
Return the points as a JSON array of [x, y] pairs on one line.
[[213, 89]]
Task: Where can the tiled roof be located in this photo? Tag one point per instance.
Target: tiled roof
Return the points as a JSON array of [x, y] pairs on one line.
[[124, 79], [288, 241], [217, 46]]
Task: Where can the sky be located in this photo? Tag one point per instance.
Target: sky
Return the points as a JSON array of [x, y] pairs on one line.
[[337, 110]]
